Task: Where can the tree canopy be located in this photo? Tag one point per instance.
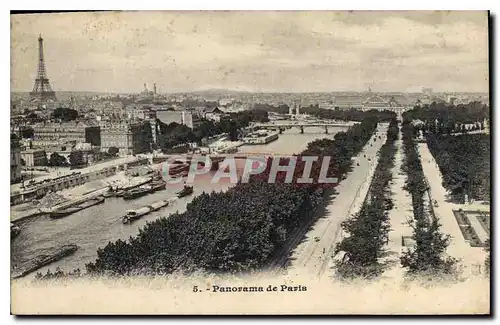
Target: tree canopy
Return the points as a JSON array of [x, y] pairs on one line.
[[65, 114], [175, 134], [56, 160], [464, 162], [76, 158], [428, 256], [464, 113], [15, 141], [113, 151], [26, 132], [367, 231]]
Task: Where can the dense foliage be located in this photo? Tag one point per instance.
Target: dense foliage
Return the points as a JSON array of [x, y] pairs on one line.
[[143, 137], [487, 248], [464, 114], [428, 255], [346, 115], [76, 159], [26, 132], [113, 151], [65, 114], [440, 127], [282, 108], [464, 162], [238, 230], [93, 135], [367, 231], [56, 160], [15, 141], [175, 134]]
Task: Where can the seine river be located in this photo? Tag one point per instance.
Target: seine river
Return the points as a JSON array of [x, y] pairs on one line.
[[94, 227]]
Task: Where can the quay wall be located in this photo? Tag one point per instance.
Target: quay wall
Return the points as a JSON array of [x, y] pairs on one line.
[[72, 180]]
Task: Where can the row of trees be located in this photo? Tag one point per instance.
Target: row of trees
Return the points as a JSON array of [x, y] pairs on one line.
[[465, 114], [447, 128], [76, 158], [464, 161], [428, 255], [367, 231], [238, 230], [487, 248]]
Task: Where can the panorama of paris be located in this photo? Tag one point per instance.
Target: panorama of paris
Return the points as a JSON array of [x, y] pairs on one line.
[[86, 168]]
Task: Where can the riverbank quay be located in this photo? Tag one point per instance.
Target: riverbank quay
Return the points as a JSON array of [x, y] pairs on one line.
[[69, 197], [64, 178]]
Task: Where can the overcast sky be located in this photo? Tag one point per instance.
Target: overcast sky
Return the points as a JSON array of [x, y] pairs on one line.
[[254, 51]]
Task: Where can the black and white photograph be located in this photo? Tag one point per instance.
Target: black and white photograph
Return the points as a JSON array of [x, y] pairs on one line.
[[250, 163]]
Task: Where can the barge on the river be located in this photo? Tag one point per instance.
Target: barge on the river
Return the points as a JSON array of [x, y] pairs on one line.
[[143, 190], [122, 189], [133, 215], [60, 213], [187, 190], [50, 256]]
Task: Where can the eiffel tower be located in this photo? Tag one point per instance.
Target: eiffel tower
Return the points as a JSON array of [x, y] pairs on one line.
[[42, 91]]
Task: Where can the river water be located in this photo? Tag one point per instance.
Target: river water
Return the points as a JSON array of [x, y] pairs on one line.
[[94, 227]]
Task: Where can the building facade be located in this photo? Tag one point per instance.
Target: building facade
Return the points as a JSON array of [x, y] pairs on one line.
[[396, 103], [34, 157], [49, 134], [130, 137], [69, 131]]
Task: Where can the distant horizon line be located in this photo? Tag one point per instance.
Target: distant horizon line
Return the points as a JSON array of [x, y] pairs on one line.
[[261, 92]]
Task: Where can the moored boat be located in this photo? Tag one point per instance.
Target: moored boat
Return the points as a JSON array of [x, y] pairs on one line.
[[132, 215], [158, 185], [49, 256], [144, 190], [136, 192], [158, 205], [132, 184], [177, 170], [109, 193], [60, 213], [183, 173], [187, 190]]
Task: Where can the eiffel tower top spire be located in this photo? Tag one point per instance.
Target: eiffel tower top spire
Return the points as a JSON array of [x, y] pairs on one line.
[[41, 89]]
